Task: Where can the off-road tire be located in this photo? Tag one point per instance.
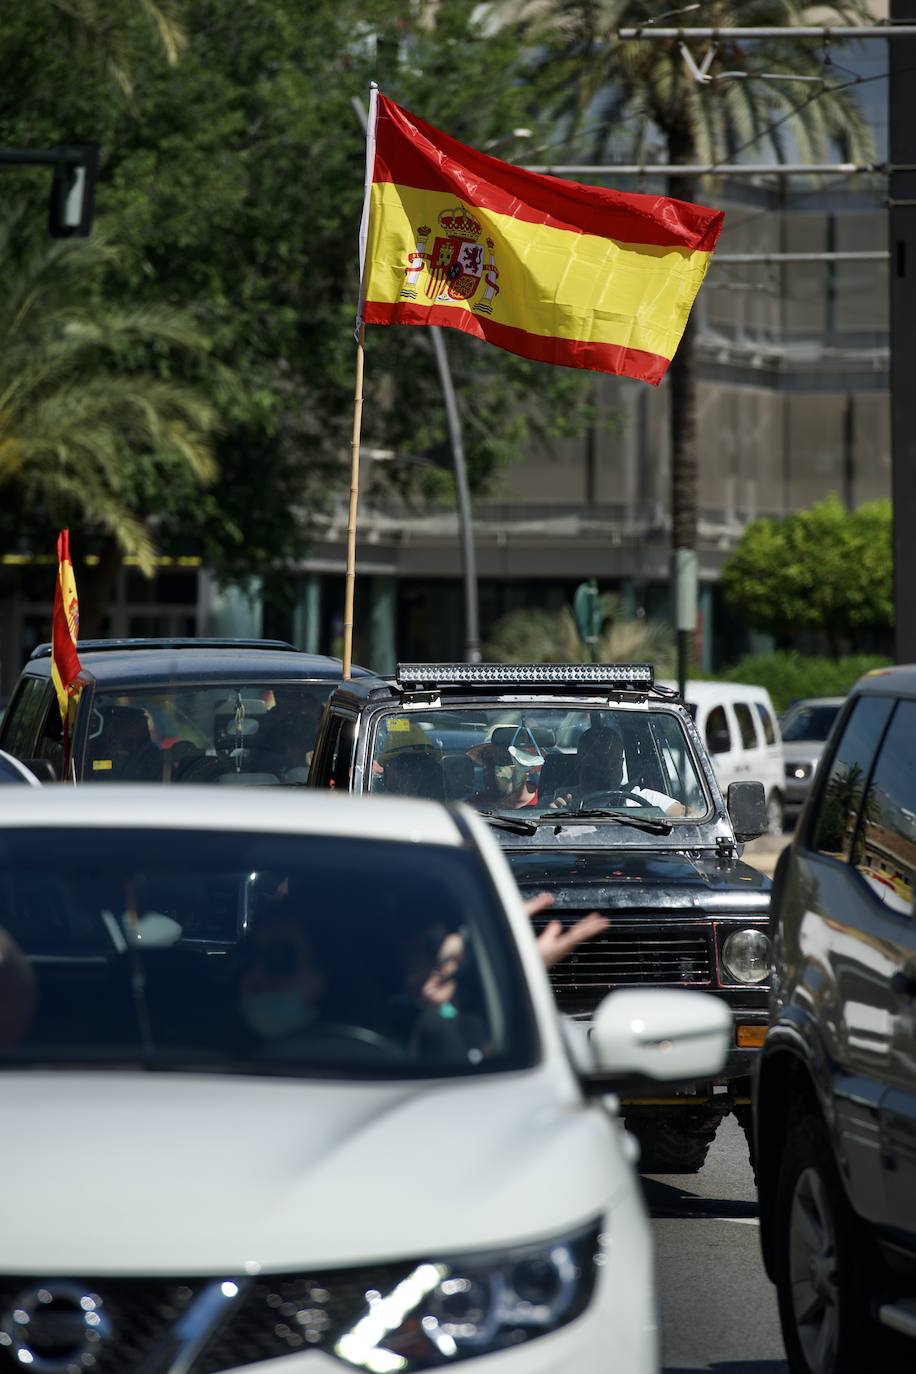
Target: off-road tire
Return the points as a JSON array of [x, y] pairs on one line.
[[674, 1145], [821, 1270]]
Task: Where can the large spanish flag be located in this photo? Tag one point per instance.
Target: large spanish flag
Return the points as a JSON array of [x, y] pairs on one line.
[[65, 663], [550, 269]]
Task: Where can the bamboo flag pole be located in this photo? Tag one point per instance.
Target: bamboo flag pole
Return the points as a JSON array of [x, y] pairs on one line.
[[350, 592]]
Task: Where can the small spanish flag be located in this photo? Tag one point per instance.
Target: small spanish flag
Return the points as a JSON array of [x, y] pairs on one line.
[[549, 269], [65, 664]]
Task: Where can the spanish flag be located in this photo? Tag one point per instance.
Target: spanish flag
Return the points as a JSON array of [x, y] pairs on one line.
[[549, 269], [65, 664]]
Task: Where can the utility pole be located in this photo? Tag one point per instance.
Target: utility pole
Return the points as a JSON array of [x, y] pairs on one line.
[[902, 225]]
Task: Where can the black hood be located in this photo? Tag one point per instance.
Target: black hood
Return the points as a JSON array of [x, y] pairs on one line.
[[628, 878]]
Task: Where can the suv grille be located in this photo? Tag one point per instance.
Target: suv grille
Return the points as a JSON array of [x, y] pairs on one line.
[[629, 955]]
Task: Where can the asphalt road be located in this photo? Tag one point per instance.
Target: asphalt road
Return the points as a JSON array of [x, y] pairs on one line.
[[718, 1308]]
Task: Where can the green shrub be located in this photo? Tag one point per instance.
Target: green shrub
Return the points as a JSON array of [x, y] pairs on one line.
[[789, 675]]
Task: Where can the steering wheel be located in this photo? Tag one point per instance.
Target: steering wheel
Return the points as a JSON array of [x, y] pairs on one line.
[[363, 1035], [614, 797]]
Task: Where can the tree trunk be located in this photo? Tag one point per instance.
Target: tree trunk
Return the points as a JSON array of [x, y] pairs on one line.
[[683, 382], [96, 586], [683, 420]]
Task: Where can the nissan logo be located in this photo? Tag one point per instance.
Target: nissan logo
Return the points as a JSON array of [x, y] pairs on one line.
[[55, 1328]]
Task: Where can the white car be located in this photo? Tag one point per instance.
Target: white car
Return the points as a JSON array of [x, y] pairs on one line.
[[285, 1089], [737, 724]]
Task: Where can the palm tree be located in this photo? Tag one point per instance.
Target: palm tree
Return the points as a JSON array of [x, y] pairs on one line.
[[114, 30], [605, 91], [87, 431]]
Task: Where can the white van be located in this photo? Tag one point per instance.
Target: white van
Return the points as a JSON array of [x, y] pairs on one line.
[[738, 725]]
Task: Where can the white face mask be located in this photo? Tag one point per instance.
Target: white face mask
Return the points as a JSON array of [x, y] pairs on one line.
[[273, 1015]]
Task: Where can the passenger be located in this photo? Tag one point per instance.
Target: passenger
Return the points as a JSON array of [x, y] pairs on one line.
[[507, 772], [434, 1023], [555, 942], [600, 761]]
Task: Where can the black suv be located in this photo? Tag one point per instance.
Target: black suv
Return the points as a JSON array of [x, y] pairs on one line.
[[176, 710], [601, 793], [835, 1091]]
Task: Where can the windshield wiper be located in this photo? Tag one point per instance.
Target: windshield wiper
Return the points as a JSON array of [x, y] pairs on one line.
[[514, 823], [655, 827]]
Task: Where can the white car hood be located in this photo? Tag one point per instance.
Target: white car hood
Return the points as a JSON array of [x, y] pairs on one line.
[[108, 1173]]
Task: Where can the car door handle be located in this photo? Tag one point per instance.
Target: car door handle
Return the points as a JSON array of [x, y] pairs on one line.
[[903, 983]]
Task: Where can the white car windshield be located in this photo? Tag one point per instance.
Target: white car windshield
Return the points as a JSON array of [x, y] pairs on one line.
[[276, 954], [540, 761]]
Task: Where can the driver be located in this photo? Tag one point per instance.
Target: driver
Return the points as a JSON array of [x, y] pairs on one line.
[[281, 983], [599, 774]]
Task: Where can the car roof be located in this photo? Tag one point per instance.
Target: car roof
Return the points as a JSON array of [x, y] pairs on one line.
[[723, 691], [275, 810], [140, 661], [898, 680], [814, 701]]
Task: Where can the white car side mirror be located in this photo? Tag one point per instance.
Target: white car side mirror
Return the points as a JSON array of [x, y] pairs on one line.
[[660, 1034]]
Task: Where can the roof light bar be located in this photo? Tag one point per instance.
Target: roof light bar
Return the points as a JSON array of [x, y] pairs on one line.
[[640, 675]]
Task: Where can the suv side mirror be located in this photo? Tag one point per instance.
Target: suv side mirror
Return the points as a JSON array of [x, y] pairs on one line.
[[659, 1035], [42, 769], [747, 807]]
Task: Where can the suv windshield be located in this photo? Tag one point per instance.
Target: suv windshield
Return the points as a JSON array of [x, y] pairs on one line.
[[254, 953], [232, 733], [540, 760]]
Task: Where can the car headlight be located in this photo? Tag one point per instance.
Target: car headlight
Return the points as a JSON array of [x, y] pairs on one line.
[[798, 772], [746, 956], [453, 1309]]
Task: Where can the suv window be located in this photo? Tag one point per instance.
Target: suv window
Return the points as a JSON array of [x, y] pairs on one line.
[[766, 720], [718, 735], [746, 725], [51, 740], [336, 760], [841, 798], [22, 717], [885, 850]]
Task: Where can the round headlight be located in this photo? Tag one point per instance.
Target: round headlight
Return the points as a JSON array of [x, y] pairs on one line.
[[746, 956]]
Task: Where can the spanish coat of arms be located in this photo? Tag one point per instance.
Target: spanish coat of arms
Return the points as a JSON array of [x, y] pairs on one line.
[[456, 266]]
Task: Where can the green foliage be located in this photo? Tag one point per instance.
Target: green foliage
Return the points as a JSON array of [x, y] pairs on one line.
[[540, 636], [826, 570], [82, 430], [788, 675], [613, 97], [232, 183]]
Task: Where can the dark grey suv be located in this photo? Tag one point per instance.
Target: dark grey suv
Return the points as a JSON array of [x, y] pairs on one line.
[[601, 793], [176, 710], [835, 1089]]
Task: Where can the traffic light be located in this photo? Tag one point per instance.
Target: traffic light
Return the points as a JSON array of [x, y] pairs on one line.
[[73, 190], [587, 611]]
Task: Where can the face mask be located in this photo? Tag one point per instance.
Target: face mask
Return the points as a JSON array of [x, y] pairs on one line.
[[273, 1015], [509, 778]]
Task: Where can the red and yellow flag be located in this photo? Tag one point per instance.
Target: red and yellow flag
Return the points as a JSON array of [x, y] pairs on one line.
[[550, 269], [65, 664]]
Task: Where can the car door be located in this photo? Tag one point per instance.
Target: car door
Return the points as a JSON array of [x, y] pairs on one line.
[[844, 960], [750, 762], [885, 859], [719, 731]]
